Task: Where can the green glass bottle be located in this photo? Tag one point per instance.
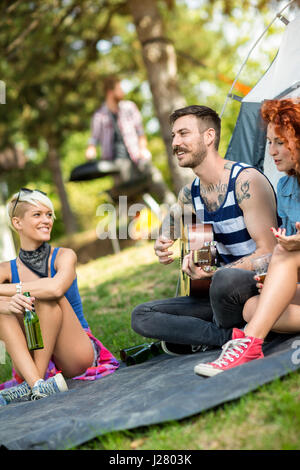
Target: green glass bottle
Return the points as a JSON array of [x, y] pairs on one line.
[[124, 353], [32, 328], [140, 356]]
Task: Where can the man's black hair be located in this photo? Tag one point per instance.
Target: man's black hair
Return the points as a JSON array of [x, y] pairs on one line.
[[206, 114]]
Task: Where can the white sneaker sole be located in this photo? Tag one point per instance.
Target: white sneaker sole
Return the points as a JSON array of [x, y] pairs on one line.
[[61, 383], [165, 349], [206, 370]]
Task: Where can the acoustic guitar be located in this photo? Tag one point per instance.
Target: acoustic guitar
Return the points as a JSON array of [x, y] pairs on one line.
[[197, 238]]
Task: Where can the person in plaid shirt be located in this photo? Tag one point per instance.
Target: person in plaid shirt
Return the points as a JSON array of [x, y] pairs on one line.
[[118, 128]]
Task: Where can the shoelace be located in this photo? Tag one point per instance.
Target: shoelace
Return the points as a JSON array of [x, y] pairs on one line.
[[44, 389], [19, 391], [230, 349]]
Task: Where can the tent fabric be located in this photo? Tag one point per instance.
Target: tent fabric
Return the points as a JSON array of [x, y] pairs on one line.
[[282, 79], [164, 388], [249, 137], [285, 70]]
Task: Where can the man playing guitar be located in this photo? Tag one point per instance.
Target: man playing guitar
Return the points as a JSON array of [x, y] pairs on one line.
[[240, 204]]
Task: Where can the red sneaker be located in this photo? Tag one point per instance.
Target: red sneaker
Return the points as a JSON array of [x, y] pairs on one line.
[[238, 351]]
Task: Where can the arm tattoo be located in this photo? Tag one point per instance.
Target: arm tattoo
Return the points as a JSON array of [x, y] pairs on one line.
[[238, 261], [186, 195], [244, 192]]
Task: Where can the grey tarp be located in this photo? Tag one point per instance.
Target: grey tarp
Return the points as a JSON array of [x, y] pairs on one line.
[[162, 389]]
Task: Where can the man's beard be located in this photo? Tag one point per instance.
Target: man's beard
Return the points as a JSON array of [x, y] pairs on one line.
[[196, 158]]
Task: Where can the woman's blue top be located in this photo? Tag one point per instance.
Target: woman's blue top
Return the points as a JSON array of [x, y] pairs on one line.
[[288, 198], [72, 293]]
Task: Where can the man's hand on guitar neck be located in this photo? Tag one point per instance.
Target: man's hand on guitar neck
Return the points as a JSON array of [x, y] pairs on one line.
[[161, 249], [192, 270]]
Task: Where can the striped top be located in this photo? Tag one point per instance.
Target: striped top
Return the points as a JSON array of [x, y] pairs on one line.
[[230, 232]]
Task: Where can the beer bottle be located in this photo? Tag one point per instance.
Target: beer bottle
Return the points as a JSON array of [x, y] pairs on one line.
[[124, 353], [32, 328], [140, 356], [156, 348], [148, 351]]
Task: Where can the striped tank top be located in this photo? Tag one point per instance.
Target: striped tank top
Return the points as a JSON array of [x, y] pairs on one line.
[[230, 232]]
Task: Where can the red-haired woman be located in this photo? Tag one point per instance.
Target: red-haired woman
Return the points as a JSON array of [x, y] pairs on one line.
[[277, 308]]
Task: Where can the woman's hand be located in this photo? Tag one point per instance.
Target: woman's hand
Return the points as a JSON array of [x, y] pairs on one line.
[[17, 304], [259, 284], [289, 243]]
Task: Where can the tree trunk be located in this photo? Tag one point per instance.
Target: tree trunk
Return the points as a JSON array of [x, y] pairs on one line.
[[160, 60], [54, 164]]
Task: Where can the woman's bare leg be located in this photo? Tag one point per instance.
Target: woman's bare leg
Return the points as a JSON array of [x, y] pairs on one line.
[[13, 336], [63, 337], [73, 352], [288, 322], [272, 310], [50, 317]]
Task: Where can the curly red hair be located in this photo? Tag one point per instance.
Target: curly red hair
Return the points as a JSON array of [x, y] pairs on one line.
[[285, 115]]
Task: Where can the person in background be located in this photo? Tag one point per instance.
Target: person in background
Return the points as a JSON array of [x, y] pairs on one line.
[[49, 274], [277, 308], [118, 128]]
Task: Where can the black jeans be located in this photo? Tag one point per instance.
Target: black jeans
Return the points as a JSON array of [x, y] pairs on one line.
[[193, 320]]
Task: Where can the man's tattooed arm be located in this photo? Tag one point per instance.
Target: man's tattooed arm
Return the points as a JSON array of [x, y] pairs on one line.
[[250, 198], [171, 225], [185, 195], [242, 263]]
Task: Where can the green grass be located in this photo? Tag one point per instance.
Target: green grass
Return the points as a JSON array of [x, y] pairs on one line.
[[111, 287]]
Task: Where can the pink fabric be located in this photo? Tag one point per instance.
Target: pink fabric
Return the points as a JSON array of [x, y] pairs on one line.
[[106, 364]]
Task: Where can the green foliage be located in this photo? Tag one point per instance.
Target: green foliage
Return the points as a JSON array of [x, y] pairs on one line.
[[84, 196], [55, 54]]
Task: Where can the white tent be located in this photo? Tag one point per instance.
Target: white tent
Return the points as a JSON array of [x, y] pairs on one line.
[[282, 79]]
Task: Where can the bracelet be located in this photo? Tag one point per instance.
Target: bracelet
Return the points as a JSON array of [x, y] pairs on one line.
[[19, 288]]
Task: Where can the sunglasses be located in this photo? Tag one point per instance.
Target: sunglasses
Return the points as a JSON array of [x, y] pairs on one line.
[[25, 190]]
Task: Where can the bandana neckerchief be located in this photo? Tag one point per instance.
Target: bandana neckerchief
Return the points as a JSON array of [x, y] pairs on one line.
[[37, 260]]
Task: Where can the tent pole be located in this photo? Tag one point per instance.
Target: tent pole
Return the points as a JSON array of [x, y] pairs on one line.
[[278, 15]]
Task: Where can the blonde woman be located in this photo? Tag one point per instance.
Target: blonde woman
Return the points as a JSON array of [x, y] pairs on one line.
[[49, 274]]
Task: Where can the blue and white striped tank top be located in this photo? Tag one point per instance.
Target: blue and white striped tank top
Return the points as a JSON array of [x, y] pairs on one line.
[[230, 232]]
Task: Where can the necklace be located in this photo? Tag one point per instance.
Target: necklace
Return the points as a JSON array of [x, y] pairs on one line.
[[37, 260]]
